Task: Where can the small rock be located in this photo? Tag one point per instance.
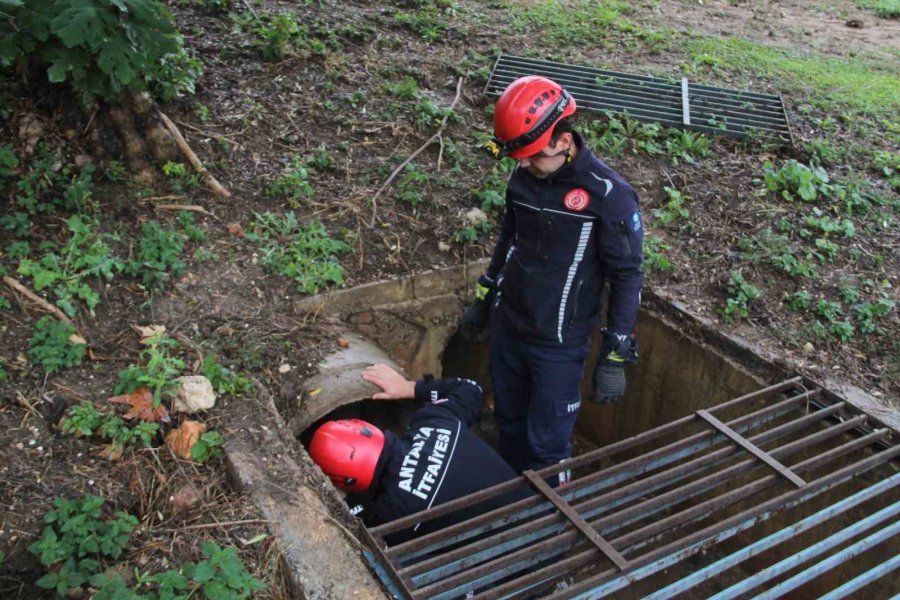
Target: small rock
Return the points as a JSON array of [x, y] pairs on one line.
[[185, 498], [343, 342], [195, 393], [474, 216], [284, 368], [236, 229], [83, 159], [808, 348], [443, 247], [855, 24]]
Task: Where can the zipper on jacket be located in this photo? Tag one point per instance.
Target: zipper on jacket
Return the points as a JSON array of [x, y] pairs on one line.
[[623, 235], [575, 304]]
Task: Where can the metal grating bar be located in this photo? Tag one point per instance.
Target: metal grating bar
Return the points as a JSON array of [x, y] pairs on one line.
[[783, 535], [711, 110], [599, 480], [831, 562], [743, 443], [524, 535], [576, 519], [601, 453], [648, 506]]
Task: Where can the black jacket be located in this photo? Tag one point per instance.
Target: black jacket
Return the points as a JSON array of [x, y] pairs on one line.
[[561, 238], [438, 459]]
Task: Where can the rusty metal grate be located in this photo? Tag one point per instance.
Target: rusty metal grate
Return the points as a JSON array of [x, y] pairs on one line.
[[693, 503], [685, 105]]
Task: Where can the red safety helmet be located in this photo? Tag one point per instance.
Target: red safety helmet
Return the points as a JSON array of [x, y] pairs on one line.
[[525, 115], [348, 451]]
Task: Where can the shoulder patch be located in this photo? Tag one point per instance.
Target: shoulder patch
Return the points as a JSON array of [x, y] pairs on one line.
[[635, 222], [576, 200]]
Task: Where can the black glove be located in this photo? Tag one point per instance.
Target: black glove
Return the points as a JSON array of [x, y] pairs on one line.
[[475, 315], [609, 383], [609, 375]]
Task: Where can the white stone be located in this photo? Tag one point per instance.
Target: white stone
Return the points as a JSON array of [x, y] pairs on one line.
[[194, 393], [474, 216], [285, 368], [443, 246]]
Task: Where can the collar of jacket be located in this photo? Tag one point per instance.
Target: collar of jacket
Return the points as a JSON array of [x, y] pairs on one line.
[[569, 169]]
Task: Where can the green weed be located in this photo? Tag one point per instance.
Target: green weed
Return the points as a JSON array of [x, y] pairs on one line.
[[8, 162], [795, 179], [828, 310], [405, 89], [869, 313], [674, 209], [55, 345], [799, 300], [75, 541], [67, 270], [292, 185], [45, 187], [223, 380], [427, 21], [157, 369], [158, 256], [87, 421], [411, 185], [687, 146], [827, 225], [740, 295], [209, 445], [654, 255], [471, 234], [886, 9], [304, 253]]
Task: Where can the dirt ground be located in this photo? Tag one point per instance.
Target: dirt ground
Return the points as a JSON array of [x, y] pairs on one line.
[[251, 117]]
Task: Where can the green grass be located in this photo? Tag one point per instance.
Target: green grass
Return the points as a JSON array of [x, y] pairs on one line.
[[861, 85], [886, 9]]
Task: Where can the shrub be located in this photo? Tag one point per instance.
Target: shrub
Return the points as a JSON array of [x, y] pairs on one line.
[[740, 295], [103, 47]]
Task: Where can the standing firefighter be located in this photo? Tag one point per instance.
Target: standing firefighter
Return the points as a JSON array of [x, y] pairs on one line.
[[438, 459], [571, 225]]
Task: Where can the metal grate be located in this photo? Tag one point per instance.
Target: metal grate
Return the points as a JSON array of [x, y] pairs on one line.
[[711, 110], [684, 505]]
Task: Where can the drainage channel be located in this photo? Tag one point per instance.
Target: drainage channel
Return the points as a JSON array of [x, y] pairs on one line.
[[710, 110], [690, 506], [702, 481]]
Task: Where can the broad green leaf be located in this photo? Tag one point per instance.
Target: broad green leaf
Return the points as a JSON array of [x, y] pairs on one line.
[[83, 23]]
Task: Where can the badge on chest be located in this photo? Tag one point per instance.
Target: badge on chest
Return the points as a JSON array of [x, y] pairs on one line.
[[576, 200]]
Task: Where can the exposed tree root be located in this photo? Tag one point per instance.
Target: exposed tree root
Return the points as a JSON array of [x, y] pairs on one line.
[[133, 146]]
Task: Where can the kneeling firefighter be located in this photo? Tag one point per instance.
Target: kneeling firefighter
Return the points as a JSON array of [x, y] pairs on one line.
[[438, 458]]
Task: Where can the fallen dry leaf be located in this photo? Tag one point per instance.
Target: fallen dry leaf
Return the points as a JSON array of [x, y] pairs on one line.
[[236, 229], [343, 342], [111, 452], [181, 440], [148, 331], [141, 403], [77, 339]]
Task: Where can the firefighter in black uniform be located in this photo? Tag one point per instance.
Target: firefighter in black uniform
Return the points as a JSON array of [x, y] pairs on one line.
[[438, 459], [571, 225]]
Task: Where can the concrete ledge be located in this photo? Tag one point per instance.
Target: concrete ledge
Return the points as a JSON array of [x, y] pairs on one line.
[[321, 557]]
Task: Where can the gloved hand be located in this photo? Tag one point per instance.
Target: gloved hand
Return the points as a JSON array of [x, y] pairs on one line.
[[609, 376], [475, 315], [609, 383]]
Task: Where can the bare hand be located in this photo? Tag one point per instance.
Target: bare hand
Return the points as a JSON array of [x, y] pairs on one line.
[[395, 385]]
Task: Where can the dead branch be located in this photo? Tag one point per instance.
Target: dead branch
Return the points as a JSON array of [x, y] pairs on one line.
[[192, 158], [18, 287], [431, 140], [188, 207]]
